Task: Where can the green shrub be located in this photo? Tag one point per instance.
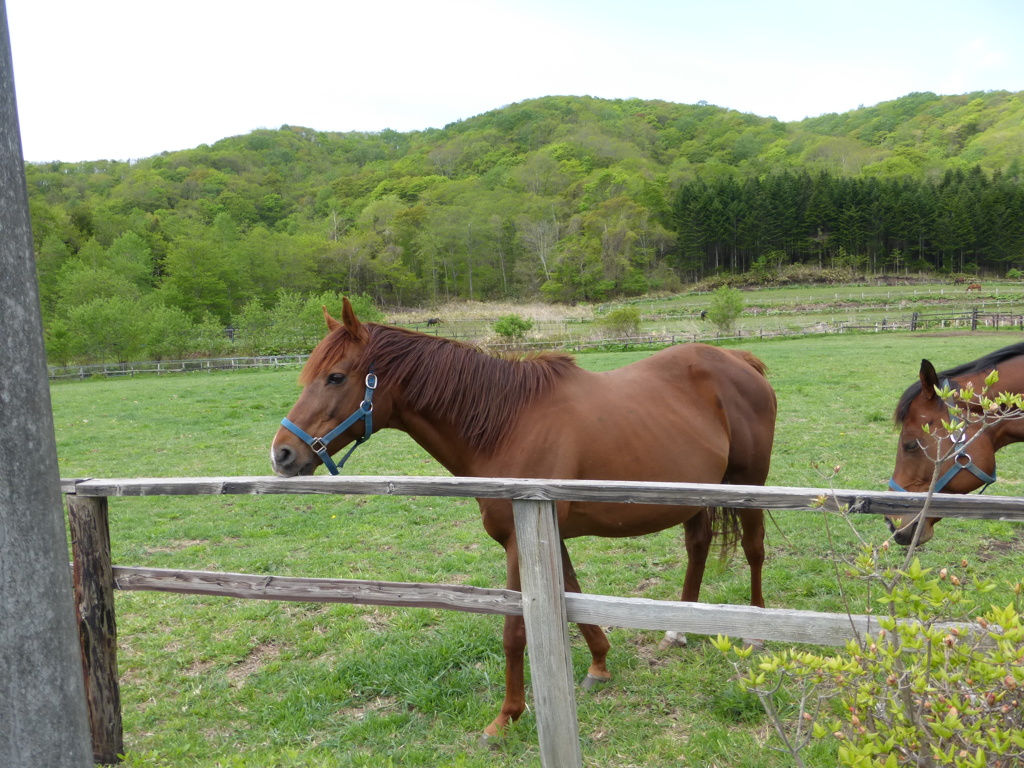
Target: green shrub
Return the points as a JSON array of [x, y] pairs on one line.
[[623, 321], [512, 327], [918, 692], [726, 305]]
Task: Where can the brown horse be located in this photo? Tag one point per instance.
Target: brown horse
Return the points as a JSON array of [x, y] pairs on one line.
[[971, 459], [691, 413], [974, 287]]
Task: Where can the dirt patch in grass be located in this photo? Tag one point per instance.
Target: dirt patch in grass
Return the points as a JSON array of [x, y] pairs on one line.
[[360, 713], [992, 549], [252, 663]]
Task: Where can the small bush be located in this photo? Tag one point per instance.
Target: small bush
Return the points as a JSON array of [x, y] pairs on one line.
[[624, 321], [512, 327], [726, 305]]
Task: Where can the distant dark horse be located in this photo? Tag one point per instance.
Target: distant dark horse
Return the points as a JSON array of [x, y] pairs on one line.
[[690, 413], [969, 467], [433, 321]]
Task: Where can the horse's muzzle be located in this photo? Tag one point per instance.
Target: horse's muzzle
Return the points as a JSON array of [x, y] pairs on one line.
[[287, 462]]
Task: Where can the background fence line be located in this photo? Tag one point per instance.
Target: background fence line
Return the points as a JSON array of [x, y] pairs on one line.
[[543, 601], [916, 321]]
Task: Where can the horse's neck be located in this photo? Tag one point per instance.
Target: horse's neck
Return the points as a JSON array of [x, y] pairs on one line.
[[1000, 432], [438, 439], [1007, 432]]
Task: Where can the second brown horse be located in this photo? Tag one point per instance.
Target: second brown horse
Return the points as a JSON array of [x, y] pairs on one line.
[[690, 413]]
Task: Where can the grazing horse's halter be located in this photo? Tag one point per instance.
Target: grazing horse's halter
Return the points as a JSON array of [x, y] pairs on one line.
[[319, 444], [961, 458]]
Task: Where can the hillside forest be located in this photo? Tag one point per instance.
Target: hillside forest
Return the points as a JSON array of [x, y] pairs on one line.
[[560, 198]]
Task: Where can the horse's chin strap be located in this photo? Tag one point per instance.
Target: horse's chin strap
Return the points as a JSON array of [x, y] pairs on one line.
[[319, 445], [961, 460]]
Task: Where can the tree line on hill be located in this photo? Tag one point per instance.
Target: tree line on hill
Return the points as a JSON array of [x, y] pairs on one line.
[[562, 198], [968, 222]]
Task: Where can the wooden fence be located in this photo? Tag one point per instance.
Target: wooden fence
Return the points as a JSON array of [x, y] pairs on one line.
[[916, 321], [543, 602]]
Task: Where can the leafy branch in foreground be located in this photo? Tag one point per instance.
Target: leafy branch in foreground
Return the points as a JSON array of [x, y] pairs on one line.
[[922, 690]]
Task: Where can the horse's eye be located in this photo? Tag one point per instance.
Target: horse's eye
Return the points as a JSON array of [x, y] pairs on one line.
[[911, 446], [336, 378]]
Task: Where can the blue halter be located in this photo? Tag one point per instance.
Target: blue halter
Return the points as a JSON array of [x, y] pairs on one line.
[[961, 460], [319, 445]]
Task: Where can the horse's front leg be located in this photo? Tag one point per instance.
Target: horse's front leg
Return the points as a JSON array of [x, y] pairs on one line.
[[514, 642], [698, 537], [597, 640]]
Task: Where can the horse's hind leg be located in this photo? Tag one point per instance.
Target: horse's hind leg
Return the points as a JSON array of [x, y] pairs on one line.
[[752, 541], [698, 544], [597, 640]]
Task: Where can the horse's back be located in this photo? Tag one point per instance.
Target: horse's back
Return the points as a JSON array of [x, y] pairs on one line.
[[716, 373], [689, 413]]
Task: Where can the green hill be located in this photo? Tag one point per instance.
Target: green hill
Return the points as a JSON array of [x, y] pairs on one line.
[[569, 198]]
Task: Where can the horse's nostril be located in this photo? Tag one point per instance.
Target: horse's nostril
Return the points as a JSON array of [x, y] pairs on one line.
[[281, 457]]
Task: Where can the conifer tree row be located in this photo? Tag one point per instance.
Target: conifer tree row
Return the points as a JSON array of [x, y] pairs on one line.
[[967, 222]]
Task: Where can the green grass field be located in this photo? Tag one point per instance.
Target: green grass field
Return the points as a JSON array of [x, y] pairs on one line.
[[220, 682]]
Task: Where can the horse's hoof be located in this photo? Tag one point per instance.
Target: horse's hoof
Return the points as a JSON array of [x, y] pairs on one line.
[[489, 741], [672, 640], [590, 682]]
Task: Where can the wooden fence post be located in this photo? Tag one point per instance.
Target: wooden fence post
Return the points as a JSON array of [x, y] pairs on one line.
[[547, 633], [42, 706], [97, 628]]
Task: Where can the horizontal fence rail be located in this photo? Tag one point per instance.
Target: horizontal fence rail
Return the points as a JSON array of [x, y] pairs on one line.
[[543, 602], [696, 494]]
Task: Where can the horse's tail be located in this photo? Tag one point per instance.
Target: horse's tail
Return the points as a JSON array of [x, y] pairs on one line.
[[754, 362], [725, 526]]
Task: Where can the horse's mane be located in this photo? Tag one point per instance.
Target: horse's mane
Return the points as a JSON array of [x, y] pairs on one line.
[[984, 363], [479, 393]]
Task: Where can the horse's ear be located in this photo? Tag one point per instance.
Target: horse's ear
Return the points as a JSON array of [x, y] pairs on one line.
[[348, 317], [332, 324], [929, 379]]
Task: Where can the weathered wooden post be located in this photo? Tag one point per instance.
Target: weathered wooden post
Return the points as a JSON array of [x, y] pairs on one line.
[[97, 628], [547, 632], [42, 704]]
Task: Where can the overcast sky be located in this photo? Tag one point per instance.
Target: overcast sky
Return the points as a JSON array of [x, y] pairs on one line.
[[121, 79]]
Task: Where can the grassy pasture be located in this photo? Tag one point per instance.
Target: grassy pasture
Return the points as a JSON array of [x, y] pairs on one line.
[[217, 682]]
